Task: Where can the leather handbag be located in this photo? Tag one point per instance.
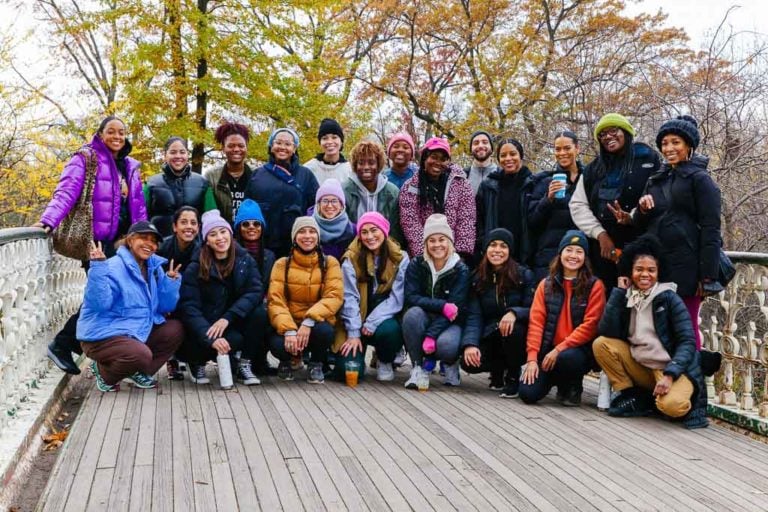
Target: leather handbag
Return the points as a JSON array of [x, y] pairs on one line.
[[74, 234]]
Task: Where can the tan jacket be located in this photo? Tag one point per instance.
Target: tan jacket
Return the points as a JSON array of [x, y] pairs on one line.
[[309, 294]]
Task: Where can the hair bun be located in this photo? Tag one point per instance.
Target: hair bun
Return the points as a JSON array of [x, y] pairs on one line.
[[689, 119]]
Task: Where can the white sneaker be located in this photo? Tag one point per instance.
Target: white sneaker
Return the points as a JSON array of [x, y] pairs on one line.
[[385, 373], [400, 358], [413, 380], [452, 376]]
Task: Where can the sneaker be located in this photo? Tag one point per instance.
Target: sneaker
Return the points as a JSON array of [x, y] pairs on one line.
[[400, 358], [62, 357], [285, 370], [374, 360], [571, 397], [413, 380], [510, 389], [245, 375], [630, 403], [316, 375], [497, 381], [197, 374], [143, 381], [174, 371], [442, 369], [297, 363], [100, 384], [452, 375], [696, 418], [385, 372]]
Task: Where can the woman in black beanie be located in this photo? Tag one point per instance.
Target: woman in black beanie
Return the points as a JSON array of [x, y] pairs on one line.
[[681, 207]]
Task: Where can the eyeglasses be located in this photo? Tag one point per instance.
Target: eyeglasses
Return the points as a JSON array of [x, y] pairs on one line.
[[330, 202], [251, 224], [608, 132]]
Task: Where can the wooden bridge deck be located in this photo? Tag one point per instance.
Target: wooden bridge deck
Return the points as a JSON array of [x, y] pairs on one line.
[[295, 446]]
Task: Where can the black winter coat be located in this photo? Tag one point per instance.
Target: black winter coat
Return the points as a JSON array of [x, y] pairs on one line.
[[674, 329], [486, 308], [486, 203], [453, 286], [169, 250], [548, 221], [167, 192], [202, 303], [687, 223]]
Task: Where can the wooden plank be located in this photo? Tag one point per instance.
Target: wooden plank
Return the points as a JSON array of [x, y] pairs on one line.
[[145, 445], [81, 485], [420, 493], [257, 407], [141, 489], [527, 490], [223, 486], [305, 486], [279, 430], [111, 445], [479, 483], [65, 471], [317, 450], [202, 477], [162, 452], [120, 496], [362, 460], [424, 447], [581, 453], [183, 492], [102, 484], [307, 449]]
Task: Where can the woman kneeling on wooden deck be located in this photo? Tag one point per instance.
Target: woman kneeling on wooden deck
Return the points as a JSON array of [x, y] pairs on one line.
[[647, 347], [122, 325]]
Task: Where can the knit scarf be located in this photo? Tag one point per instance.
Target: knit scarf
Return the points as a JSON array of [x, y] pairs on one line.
[[281, 173], [638, 299], [253, 247], [331, 229]]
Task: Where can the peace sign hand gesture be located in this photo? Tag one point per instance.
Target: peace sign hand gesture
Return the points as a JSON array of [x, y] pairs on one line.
[[97, 254], [173, 272]]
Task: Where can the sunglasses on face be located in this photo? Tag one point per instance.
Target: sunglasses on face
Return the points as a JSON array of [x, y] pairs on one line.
[[251, 224]]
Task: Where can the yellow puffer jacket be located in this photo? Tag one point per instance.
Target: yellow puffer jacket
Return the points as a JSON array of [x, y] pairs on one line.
[[309, 294]]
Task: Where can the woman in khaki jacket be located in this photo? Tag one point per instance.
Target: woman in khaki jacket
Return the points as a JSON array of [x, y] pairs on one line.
[[305, 293]]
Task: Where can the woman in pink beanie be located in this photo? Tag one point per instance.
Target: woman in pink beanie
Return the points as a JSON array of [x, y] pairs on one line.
[[373, 268], [401, 151]]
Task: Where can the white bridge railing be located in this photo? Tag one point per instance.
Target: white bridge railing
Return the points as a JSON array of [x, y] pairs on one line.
[[39, 291], [735, 323]]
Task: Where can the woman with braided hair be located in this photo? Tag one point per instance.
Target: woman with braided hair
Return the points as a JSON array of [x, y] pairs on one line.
[[230, 180], [305, 293]]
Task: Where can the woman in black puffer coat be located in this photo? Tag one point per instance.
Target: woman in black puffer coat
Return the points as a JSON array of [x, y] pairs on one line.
[[646, 345]]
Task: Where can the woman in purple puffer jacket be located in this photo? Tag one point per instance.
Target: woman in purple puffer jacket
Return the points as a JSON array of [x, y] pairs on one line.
[[118, 202]]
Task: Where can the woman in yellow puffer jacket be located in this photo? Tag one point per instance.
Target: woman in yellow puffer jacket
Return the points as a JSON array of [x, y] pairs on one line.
[[305, 293]]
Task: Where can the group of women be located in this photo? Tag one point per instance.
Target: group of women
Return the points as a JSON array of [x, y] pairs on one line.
[[535, 278]]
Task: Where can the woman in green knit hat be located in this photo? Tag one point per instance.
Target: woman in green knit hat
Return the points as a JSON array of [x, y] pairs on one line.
[[611, 186]]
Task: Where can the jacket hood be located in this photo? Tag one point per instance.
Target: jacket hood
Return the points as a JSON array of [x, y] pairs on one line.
[[636, 300], [381, 182], [170, 173], [698, 163]]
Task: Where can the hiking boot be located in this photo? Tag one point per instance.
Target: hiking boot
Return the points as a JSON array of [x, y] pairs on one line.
[[62, 357], [696, 418], [316, 375], [174, 371], [400, 358], [385, 372], [452, 375], [197, 374], [100, 384], [630, 403], [285, 371], [245, 375], [413, 380], [143, 381], [510, 389]]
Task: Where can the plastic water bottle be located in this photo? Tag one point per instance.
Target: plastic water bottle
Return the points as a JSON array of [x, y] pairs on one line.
[[225, 371], [560, 194], [604, 393]]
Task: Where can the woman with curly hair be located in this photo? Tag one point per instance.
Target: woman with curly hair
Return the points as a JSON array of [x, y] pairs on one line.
[[230, 180]]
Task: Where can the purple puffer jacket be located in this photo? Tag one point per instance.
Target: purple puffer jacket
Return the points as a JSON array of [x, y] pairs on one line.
[[106, 193]]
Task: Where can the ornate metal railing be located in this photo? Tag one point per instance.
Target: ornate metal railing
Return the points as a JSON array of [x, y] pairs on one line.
[[735, 323], [39, 291]]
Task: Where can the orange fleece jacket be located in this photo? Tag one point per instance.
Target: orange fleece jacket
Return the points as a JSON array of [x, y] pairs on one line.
[[566, 336]]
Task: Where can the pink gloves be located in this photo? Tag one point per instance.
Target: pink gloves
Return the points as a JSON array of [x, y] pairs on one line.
[[429, 345], [450, 311]]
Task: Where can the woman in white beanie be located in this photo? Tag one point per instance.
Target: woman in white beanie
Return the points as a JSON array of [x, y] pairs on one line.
[[436, 287], [305, 293]]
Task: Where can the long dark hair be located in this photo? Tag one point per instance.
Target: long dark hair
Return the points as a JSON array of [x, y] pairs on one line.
[[259, 256], [505, 279], [363, 264], [580, 283], [423, 176], [606, 160], [208, 259]]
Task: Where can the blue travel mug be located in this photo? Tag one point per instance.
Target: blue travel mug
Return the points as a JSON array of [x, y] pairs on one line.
[[560, 194]]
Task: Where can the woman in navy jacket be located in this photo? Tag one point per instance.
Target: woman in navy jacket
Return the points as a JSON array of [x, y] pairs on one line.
[[221, 290]]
